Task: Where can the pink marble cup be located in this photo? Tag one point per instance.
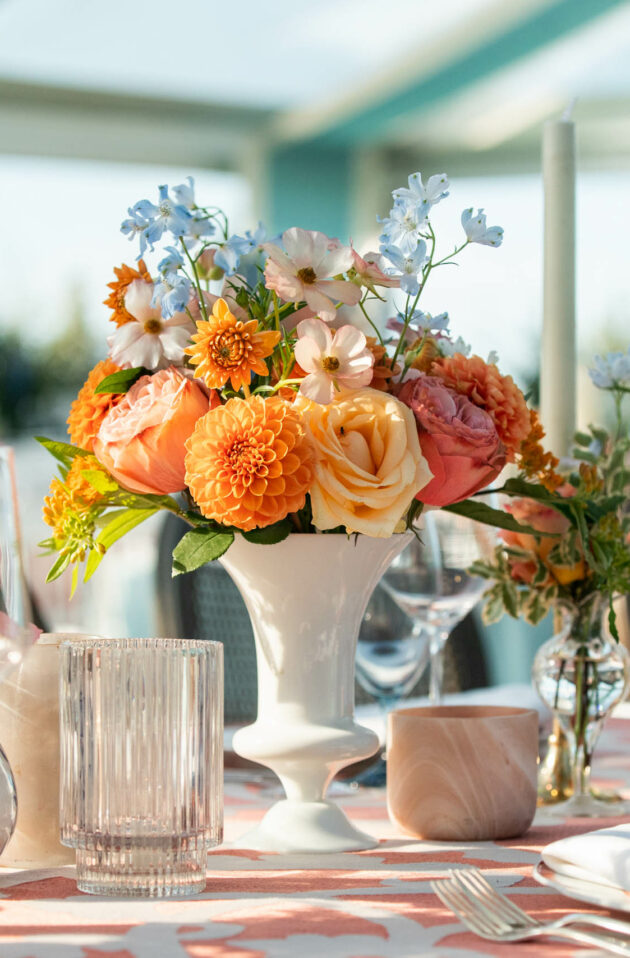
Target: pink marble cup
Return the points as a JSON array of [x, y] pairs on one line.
[[462, 773]]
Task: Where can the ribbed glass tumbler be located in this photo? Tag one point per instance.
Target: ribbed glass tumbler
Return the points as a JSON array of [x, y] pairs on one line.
[[141, 762]]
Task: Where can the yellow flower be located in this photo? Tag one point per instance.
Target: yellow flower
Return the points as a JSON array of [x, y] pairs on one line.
[[226, 348], [369, 462]]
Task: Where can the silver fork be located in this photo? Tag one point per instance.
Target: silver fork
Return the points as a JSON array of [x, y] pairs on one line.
[[490, 915]]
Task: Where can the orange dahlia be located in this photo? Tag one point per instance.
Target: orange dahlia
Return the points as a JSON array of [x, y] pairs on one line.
[[498, 395], [116, 299], [226, 348], [249, 463], [89, 409]]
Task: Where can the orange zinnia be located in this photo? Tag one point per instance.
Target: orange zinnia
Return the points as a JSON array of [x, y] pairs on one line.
[[89, 409], [125, 275], [498, 395], [249, 463], [225, 348]]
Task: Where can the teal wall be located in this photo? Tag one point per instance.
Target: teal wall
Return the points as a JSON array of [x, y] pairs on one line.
[[510, 646], [310, 186]]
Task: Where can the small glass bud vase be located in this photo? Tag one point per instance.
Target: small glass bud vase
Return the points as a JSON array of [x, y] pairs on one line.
[[581, 674]]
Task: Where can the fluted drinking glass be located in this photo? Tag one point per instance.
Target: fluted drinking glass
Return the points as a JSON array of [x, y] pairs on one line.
[[141, 762]]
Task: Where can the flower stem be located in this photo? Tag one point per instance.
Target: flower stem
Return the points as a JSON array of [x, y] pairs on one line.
[[193, 266]]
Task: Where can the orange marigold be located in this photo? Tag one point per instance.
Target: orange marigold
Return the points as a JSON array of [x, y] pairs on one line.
[[116, 299], [89, 409], [534, 461], [498, 395], [226, 348], [249, 463]]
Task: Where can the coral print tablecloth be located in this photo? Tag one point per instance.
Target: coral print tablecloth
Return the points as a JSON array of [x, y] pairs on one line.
[[374, 904]]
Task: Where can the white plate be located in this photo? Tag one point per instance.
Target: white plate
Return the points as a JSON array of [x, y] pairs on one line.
[[583, 890]]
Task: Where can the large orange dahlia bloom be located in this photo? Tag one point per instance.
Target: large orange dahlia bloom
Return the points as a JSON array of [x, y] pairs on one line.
[[498, 395], [226, 348], [125, 275], [89, 409], [250, 463]]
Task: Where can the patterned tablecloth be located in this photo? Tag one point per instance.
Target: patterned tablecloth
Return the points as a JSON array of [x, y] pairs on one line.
[[373, 904]]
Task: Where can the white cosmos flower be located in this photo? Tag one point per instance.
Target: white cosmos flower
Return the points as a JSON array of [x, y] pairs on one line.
[[149, 340], [338, 359]]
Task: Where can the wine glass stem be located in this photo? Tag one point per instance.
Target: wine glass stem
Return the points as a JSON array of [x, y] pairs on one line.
[[436, 666], [581, 771]]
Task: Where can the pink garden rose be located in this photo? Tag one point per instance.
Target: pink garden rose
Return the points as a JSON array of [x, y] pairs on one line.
[[458, 439], [142, 446]]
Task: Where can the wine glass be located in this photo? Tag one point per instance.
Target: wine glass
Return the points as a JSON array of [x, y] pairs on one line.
[[431, 583], [17, 633], [392, 653]]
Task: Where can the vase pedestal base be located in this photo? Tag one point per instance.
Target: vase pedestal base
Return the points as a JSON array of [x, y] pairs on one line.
[[305, 828]]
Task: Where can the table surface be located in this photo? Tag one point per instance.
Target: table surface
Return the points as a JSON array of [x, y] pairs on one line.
[[372, 904]]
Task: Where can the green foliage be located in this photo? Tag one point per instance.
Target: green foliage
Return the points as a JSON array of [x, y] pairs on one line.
[[122, 381], [198, 547]]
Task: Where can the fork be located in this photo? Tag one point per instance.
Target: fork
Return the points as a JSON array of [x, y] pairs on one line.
[[490, 915]]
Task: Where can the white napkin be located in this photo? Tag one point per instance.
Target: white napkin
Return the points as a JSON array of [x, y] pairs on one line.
[[602, 857]]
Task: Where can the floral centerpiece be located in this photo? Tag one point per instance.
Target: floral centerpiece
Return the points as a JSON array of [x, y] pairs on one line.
[[248, 388], [576, 564], [252, 389]]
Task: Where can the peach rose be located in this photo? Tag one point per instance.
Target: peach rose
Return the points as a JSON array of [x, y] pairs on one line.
[[141, 441], [369, 461], [544, 519], [459, 440]]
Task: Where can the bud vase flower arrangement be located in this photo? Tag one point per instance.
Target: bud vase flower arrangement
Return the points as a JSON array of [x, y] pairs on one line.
[[248, 389], [576, 564]]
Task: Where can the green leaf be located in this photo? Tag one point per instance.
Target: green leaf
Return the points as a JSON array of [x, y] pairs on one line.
[[509, 597], [122, 381], [64, 452], [612, 620], [198, 547], [270, 534], [100, 481], [582, 439], [75, 579], [119, 523], [481, 512], [59, 566]]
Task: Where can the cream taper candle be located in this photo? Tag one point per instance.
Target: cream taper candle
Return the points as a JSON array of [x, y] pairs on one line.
[[558, 358]]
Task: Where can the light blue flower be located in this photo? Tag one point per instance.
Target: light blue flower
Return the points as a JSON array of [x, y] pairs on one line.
[[404, 225], [258, 237], [172, 294], [419, 324], [185, 193], [200, 226], [167, 215], [476, 230], [611, 371], [409, 267], [435, 190], [228, 256], [136, 226], [172, 262]]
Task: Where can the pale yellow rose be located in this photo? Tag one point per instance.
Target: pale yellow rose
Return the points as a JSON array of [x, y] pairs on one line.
[[370, 465]]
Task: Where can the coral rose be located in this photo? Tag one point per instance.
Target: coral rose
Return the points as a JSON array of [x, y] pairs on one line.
[[250, 462], [488, 389], [459, 441], [89, 409], [370, 464], [544, 519], [141, 441]]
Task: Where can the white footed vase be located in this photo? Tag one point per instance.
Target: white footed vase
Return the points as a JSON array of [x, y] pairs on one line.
[[306, 597]]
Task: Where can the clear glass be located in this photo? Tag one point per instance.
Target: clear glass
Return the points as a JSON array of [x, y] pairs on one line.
[[17, 633], [431, 583], [581, 674], [141, 780], [392, 653]]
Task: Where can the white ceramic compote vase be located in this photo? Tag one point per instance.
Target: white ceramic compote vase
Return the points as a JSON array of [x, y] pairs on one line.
[[306, 597]]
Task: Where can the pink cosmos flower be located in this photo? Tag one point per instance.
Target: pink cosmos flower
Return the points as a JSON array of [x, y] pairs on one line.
[[368, 272], [332, 360], [303, 269], [149, 339]]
